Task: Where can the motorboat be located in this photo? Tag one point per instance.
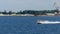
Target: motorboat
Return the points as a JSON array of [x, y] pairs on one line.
[[47, 22]]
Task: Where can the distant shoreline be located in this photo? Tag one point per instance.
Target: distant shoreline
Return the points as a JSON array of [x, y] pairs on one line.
[[26, 15]]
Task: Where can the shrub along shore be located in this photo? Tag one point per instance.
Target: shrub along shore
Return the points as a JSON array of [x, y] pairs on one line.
[[28, 12]]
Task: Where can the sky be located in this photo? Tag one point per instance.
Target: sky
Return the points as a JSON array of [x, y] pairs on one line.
[[16, 5]]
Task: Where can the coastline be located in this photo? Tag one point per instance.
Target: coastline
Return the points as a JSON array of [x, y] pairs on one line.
[[25, 15]]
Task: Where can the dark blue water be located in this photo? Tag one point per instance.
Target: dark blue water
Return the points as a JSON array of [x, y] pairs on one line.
[[28, 25]]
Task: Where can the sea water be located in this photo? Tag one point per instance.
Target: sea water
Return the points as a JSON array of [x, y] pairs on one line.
[[28, 25]]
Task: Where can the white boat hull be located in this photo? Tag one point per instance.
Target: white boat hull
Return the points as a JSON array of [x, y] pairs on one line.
[[48, 22]]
